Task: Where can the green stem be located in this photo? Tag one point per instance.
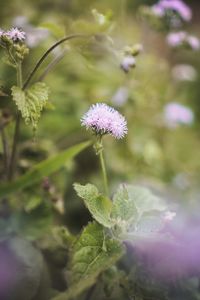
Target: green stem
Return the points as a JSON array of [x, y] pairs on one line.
[[103, 168], [5, 150], [17, 128], [40, 61]]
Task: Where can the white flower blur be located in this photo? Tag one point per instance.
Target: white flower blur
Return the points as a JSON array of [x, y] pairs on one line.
[[169, 215]]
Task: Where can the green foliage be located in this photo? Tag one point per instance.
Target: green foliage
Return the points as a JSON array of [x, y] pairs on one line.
[[93, 253], [31, 102], [43, 169], [99, 205], [134, 213]]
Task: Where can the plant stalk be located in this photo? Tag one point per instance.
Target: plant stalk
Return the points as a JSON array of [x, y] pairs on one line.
[[44, 56], [103, 168], [17, 128], [5, 150]]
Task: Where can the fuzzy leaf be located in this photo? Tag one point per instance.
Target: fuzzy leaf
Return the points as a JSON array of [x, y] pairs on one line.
[[93, 253], [31, 102], [144, 200], [124, 207], [98, 205], [137, 213]]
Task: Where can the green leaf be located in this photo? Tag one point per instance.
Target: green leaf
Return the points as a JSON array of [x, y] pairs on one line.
[[137, 213], [32, 203], [124, 207], [31, 102], [98, 205], [43, 169], [93, 253], [144, 200]]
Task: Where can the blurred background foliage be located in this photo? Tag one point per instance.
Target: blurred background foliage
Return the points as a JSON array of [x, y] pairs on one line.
[[88, 71]]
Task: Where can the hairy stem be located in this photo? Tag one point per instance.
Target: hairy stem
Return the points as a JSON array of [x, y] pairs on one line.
[[103, 168], [40, 61], [17, 129]]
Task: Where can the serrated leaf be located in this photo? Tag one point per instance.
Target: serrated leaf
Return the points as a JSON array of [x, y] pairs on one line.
[[149, 224], [124, 207], [43, 169], [144, 200], [137, 213], [93, 253], [31, 102], [98, 205]]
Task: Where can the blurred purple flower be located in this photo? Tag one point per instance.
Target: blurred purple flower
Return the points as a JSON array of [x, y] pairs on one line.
[[177, 6], [175, 39], [16, 34], [103, 119], [34, 35], [194, 42], [175, 114], [180, 38], [127, 62]]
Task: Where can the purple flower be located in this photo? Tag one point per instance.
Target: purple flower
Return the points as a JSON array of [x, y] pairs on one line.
[[128, 62], [175, 114], [193, 42], [178, 6], [103, 119], [16, 34], [176, 39]]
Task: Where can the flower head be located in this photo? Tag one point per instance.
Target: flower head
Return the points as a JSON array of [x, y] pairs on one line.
[[177, 6], [16, 34], [175, 114], [180, 38], [103, 119], [175, 39], [127, 63]]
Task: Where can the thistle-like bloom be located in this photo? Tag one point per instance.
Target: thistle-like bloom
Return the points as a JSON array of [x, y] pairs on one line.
[[175, 114], [103, 119], [16, 34]]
